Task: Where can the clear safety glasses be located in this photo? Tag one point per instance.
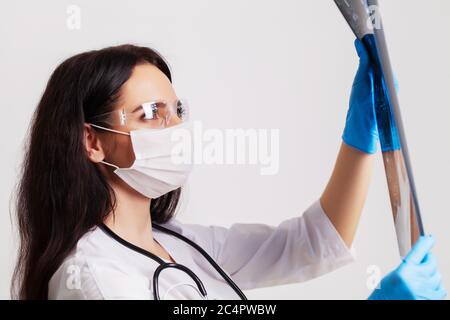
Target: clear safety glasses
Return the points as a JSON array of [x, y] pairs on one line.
[[156, 114]]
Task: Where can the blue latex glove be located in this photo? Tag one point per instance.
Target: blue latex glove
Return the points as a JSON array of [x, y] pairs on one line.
[[360, 129], [417, 277]]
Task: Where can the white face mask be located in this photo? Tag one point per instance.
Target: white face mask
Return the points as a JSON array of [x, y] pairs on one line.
[[154, 171]]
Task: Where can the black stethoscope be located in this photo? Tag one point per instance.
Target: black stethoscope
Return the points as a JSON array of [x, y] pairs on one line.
[[165, 265]]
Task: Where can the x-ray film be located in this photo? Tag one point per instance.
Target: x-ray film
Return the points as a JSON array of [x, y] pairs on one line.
[[363, 17]]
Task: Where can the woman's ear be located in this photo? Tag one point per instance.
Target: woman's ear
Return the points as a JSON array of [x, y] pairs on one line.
[[93, 144]]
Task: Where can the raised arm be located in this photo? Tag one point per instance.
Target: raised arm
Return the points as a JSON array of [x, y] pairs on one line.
[[344, 196], [345, 193]]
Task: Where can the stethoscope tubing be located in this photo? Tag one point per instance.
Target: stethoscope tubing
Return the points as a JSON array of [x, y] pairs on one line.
[[164, 265]]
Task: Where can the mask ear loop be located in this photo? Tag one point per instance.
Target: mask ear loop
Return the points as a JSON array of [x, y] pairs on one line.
[[111, 130], [110, 164], [108, 129]]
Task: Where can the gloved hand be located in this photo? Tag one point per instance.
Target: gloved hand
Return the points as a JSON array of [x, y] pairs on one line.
[[360, 129], [417, 277]]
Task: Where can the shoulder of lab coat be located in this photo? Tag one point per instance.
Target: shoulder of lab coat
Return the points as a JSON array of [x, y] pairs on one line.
[[74, 280], [88, 275], [259, 255]]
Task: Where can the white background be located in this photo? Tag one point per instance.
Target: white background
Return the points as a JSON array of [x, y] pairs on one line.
[[254, 64]]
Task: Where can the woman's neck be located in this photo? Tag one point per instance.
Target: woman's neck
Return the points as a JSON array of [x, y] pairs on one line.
[[131, 218]]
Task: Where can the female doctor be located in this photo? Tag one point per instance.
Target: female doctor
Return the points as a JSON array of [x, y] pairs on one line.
[[99, 189]]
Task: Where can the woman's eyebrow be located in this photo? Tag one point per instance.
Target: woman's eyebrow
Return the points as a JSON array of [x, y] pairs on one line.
[[137, 108]]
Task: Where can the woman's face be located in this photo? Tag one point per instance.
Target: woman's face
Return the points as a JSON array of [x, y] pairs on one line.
[[147, 83]]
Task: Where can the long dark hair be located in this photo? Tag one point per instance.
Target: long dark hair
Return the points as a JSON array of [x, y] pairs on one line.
[[61, 194]]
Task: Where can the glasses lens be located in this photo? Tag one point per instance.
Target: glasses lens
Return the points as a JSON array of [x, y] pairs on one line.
[[148, 115], [154, 115], [182, 109], [150, 110], [160, 114]]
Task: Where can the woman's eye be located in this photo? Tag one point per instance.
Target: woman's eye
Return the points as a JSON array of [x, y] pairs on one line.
[[142, 115], [147, 115], [150, 111]]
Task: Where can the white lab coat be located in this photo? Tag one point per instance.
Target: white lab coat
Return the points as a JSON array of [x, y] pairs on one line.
[[254, 255]]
